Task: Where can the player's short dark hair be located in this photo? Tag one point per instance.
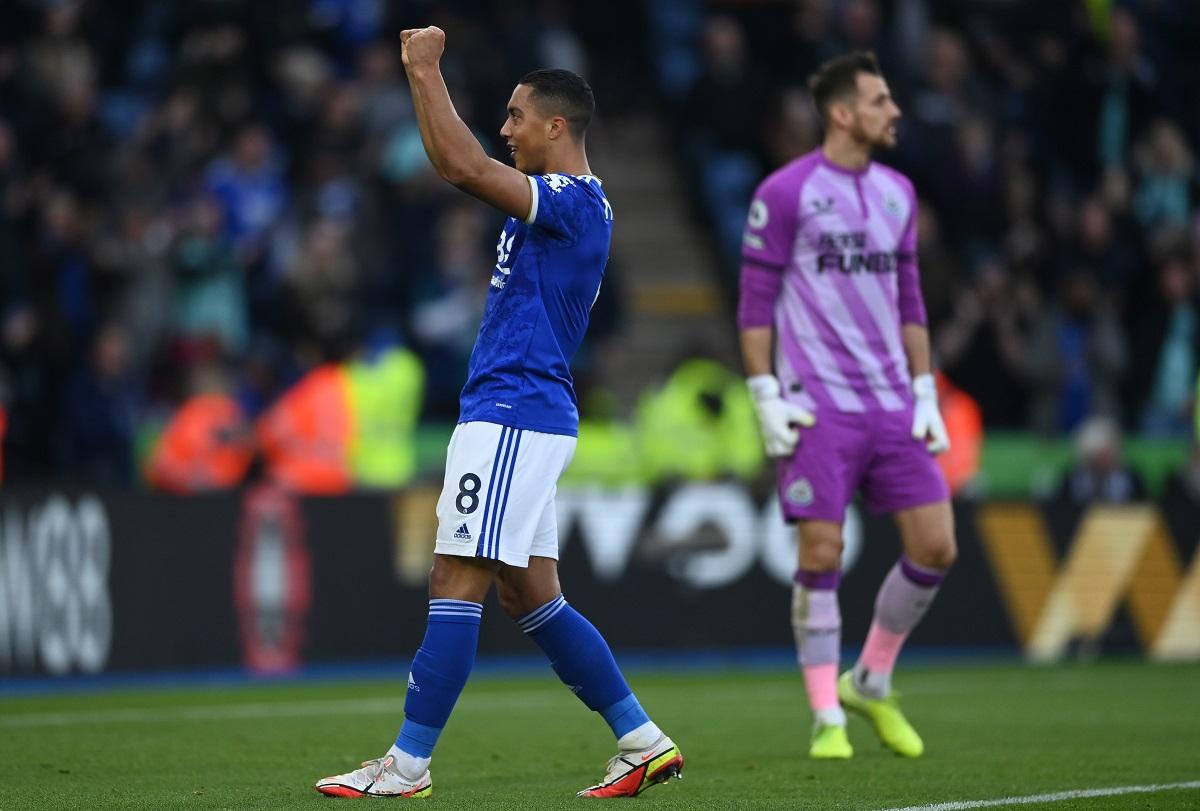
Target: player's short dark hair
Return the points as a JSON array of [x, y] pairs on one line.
[[837, 79], [561, 92]]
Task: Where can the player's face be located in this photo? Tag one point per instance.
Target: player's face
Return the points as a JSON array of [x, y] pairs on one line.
[[875, 113], [524, 131]]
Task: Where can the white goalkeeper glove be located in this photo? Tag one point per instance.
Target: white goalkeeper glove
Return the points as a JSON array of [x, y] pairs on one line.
[[927, 420], [776, 416]]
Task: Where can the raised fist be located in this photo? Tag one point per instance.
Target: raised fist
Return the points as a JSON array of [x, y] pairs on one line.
[[420, 47]]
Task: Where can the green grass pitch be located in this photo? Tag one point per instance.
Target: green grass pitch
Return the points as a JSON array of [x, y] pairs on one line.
[[524, 742]]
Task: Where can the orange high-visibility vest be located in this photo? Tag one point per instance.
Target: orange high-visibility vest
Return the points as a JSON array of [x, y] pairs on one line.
[[964, 424], [206, 446], [305, 436]]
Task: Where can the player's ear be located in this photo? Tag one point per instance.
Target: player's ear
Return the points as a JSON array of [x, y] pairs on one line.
[[556, 127], [840, 112]]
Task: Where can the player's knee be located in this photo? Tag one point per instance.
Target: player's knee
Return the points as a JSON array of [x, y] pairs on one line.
[[510, 601], [459, 579], [440, 578], [945, 555], [938, 552], [820, 546], [825, 556]]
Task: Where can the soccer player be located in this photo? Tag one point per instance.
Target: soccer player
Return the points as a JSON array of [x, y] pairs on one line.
[[836, 351], [517, 429]]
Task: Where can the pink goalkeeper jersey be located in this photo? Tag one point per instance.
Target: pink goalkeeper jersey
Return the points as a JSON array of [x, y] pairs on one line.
[[844, 245]]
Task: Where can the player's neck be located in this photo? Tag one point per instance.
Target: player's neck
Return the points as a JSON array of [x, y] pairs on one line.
[[574, 162], [845, 153]]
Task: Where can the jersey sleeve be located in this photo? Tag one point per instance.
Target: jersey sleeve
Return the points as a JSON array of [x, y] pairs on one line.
[[908, 281], [770, 226], [557, 204], [766, 249]]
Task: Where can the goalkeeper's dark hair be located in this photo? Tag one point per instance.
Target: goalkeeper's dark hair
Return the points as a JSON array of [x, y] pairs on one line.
[[561, 92], [837, 79]]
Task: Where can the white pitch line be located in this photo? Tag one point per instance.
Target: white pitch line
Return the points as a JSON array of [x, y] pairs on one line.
[[1055, 797]]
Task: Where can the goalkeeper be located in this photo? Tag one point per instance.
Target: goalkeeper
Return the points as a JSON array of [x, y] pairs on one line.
[[835, 345]]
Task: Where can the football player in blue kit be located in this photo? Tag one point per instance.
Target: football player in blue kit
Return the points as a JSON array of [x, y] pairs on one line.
[[517, 429]]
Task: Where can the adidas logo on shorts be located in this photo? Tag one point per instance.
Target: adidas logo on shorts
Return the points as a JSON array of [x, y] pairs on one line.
[[462, 533]]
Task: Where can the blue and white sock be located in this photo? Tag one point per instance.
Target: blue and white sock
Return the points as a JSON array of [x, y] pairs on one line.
[[582, 659], [439, 673]]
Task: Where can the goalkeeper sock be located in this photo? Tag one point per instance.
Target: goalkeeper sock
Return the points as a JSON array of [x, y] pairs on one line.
[[903, 599], [583, 661], [439, 673], [817, 627]]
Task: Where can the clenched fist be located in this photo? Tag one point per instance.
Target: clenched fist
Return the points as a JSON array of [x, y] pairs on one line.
[[421, 47]]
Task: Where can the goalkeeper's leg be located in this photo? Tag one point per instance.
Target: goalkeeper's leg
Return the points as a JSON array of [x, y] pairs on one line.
[[817, 626], [906, 594]]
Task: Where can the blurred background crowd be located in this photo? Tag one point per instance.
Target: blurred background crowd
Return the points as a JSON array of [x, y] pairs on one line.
[[221, 242], [216, 197], [1052, 147]]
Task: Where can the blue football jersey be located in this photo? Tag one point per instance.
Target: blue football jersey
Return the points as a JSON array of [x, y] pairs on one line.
[[547, 276]]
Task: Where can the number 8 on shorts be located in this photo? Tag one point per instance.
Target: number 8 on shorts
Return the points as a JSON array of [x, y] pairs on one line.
[[497, 499]]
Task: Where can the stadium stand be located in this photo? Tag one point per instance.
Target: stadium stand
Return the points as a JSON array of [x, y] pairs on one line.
[[221, 197]]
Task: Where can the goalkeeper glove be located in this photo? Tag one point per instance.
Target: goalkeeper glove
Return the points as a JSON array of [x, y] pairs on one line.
[[927, 420], [777, 417]]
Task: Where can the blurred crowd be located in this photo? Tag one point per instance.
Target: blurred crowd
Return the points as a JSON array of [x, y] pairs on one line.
[[211, 202], [205, 197], [1053, 148]]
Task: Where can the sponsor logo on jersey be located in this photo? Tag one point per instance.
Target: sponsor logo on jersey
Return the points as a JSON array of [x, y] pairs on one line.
[[845, 252], [892, 206], [859, 262], [412, 683], [842, 240], [462, 533]]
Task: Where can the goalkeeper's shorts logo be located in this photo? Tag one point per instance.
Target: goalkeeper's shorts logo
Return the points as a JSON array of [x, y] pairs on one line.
[[800, 492]]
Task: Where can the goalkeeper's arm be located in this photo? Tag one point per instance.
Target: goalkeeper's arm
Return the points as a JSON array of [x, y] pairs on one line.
[[777, 418]]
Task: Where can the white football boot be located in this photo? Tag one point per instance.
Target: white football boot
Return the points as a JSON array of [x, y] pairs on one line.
[[631, 773], [376, 778]]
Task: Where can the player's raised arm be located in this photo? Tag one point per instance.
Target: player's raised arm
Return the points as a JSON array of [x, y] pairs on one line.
[[452, 148]]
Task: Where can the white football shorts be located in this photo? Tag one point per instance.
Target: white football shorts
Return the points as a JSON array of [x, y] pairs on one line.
[[497, 501]]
